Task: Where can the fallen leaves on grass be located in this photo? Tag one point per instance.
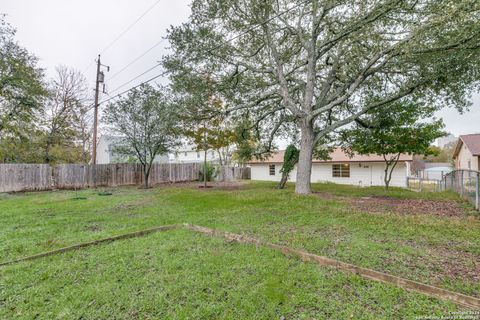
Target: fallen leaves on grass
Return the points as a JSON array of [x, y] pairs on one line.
[[408, 206]]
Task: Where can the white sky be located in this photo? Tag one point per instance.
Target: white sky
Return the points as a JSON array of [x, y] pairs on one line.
[[73, 32]]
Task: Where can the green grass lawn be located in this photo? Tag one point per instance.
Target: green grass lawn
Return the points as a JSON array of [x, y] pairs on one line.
[[183, 275]]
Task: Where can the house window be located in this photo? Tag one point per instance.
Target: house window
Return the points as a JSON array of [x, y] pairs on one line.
[[469, 164], [186, 154], [271, 169], [341, 170], [198, 155]]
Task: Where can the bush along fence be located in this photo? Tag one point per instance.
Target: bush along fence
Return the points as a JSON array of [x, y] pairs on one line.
[[464, 182], [38, 177]]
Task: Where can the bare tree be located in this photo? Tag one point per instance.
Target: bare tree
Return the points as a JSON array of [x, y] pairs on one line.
[[68, 93], [84, 131]]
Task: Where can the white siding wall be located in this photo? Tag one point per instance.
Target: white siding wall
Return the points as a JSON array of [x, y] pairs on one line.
[[261, 172], [103, 153], [192, 156], [363, 174]]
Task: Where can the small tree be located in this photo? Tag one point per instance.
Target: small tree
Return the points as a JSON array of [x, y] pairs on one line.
[[392, 132], [290, 159], [146, 123], [202, 117]]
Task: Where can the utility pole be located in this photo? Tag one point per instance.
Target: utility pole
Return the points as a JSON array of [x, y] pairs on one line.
[[100, 79]]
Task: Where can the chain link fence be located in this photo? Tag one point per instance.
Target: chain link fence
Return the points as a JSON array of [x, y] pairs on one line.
[[464, 182], [424, 184]]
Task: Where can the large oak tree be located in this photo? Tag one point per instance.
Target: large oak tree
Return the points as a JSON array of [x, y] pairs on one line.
[[317, 66]]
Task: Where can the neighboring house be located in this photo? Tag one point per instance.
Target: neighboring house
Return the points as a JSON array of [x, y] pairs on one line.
[[185, 154], [106, 152], [442, 142], [359, 170], [188, 154], [467, 152], [434, 170]]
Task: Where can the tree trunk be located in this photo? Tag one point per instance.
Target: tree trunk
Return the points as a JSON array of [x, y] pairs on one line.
[[205, 170], [48, 146], [146, 175], [304, 168], [283, 181], [386, 179], [389, 171]]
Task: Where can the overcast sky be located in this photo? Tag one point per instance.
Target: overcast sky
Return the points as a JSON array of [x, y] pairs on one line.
[[74, 32]]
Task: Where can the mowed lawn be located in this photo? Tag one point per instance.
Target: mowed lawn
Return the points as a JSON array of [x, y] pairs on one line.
[[433, 238]]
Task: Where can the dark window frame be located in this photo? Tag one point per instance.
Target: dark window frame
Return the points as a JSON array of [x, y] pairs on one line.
[[272, 170], [341, 170]]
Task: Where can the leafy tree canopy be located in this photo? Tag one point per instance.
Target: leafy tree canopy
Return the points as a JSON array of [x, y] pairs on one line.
[[146, 122], [392, 132], [21, 84]]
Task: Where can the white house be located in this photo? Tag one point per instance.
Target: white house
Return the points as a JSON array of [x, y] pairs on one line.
[[184, 154], [467, 152], [359, 170], [106, 152], [188, 154]]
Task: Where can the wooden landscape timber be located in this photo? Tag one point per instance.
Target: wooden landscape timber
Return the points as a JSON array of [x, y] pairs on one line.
[[409, 285]]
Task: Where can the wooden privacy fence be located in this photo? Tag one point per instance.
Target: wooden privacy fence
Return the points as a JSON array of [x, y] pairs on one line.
[[233, 173], [37, 177], [20, 177]]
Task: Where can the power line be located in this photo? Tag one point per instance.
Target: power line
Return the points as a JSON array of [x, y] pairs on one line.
[[135, 87], [124, 32], [130, 26], [208, 51], [136, 59], [131, 80]]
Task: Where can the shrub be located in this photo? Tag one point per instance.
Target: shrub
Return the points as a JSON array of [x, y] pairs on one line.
[[212, 172]]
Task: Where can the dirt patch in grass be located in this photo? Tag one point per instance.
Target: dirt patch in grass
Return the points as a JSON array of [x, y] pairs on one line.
[[226, 186], [217, 185], [385, 204], [456, 264], [94, 227], [329, 196], [408, 206]]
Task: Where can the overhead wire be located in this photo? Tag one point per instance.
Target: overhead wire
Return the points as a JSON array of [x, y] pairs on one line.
[[136, 59], [206, 52], [134, 23], [135, 78]]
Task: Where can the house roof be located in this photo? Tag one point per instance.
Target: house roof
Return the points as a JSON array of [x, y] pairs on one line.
[[429, 165], [439, 169], [338, 155], [471, 141]]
